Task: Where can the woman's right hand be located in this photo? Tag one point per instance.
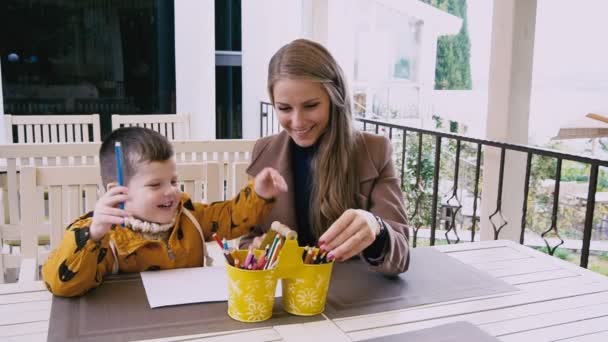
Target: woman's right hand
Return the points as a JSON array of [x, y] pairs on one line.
[[107, 212]]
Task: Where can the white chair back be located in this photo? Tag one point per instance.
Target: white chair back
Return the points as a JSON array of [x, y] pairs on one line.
[[44, 129], [172, 126]]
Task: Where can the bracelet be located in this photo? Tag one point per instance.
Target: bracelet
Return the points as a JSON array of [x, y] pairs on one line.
[[382, 225]]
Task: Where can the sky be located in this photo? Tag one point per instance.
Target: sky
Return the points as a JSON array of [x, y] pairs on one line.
[[570, 67], [569, 42]]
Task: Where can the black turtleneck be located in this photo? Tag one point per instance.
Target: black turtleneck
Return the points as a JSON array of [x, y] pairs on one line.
[[301, 163]]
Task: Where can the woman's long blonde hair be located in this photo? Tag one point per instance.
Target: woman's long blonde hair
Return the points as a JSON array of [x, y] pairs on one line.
[[335, 182]]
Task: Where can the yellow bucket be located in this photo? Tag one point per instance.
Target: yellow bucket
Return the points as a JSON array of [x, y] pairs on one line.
[[250, 293], [305, 289]]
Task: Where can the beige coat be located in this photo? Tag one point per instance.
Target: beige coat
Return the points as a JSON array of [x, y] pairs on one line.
[[379, 191]]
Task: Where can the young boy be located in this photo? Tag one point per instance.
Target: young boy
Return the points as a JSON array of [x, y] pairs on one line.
[[159, 227]]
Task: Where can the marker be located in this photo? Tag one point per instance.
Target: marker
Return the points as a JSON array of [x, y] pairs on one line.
[[249, 256], [229, 258], [218, 240], [119, 171], [272, 248]]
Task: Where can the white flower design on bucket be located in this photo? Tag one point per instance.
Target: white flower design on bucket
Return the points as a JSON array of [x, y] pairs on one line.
[[234, 287], [256, 311], [307, 298]]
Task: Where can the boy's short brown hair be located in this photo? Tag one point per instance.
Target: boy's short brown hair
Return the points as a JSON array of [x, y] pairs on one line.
[[139, 145]]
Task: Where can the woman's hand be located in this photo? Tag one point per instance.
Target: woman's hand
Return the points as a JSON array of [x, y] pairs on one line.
[[269, 183], [106, 211], [350, 234]]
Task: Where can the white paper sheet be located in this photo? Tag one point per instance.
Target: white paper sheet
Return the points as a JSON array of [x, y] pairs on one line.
[[189, 285]]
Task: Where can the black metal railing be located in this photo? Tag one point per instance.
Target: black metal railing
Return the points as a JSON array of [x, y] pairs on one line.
[[411, 169]]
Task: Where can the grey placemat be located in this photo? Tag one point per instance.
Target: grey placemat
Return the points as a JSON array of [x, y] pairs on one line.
[[432, 277], [451, 332], [118, 310]]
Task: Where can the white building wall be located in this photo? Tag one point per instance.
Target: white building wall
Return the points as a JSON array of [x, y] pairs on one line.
[[266, 26], [341, 35], [195, 65]]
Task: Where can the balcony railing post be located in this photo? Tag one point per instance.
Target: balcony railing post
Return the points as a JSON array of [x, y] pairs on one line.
[[525, 205], [589, 215], [476, 191], [435, 189]]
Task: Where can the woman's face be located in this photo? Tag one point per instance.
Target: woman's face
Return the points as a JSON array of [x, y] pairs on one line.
[[303, 109]]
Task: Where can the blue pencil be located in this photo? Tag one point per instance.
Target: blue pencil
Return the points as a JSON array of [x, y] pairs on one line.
[[119, 172]]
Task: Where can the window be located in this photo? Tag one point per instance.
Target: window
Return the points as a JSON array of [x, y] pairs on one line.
[[228, 71], [87, 56]]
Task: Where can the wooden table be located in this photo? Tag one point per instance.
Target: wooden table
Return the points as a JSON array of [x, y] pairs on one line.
[[558, 301]]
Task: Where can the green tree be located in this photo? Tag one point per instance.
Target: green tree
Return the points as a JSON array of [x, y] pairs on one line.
[[453, 70]]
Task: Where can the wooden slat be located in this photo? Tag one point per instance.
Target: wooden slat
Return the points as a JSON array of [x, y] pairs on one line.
[[539, 276], [53, 133], [74, 202], [28, 272], [592, 337], [9, 289], [37, 134], [24, 297], [488, 255], [77, 133], [215, 182], [12, 186], [239, 177], [56, 212], [85, 133], [315, 331], [21, 133], [497, 316], [25, 317], [432, 312], [90, 197], [27, 338], [40, 327], [29, 133], [70, 133], [62, 132], [24, 307], [260, 334], [96, 127], [547, 319], [29, 237], [561, 331], [46, 135]]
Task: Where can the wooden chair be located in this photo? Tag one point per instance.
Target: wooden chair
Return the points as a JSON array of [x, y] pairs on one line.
[[73, 191], [15, 156], [172, 126], [44, 129]]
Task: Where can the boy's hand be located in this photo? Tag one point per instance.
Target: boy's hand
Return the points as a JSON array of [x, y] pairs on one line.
[[269, 183], [107, 213]]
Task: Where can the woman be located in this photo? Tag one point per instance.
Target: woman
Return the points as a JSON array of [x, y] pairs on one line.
[[343, 194]]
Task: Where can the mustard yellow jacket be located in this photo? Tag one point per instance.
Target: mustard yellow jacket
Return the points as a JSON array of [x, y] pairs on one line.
[[80, 264]]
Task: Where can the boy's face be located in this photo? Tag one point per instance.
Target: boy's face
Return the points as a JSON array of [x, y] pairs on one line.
[[154, 193]]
